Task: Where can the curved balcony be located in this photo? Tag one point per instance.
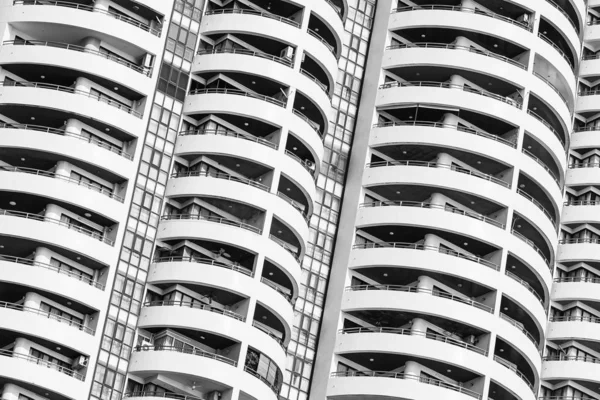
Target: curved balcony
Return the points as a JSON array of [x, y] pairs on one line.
[[217, 220], [575, 289], [407, 332], [542, 222], [72, 90], [413, 289], [447, 85], [579, 249], [551, 55], [379, 383], [218, 369], [209, 144], [537, 124], [580, 211], [62, 132], [227, 186], [72, 101], [80, 58], [544, 166], [24, 368], [422, 247], [83, 7], [257, 64], [555, 89], [87, 18], [567, 328], [263, 108], [535, 248], [583, 174], [520, 328], [453, 55], [230, 278], [578, 368], [416, 204], [34, 322], [48, 315], [247, 239], [63, 178], [417, 126], [75, 228]]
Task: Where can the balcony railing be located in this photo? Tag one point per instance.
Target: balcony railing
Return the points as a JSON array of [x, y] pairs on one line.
[[229, 133], [452, 46], [285, 246], [220, 175], [58, 269], [323, 41], [38, 172], [63, 132], [72, 90], [582, 203], [298, 206], [264, 380], [277, 288], [408, 332], [337, 9], [417, 204], [42, 218], [558, 49], [552, 87], [256, 13], [315, 80], [238, 92], [194, 351], [448, 126], [534, 247], [575, 318], [526, 285], [421, 246], [448, 85], [414, 289], [164, 395], [81, 49], [537, 204], [588, 359], [265, 329], [578, 279], [520, 327], [433, 164], [285, 61], [563, 12], [579, 241], [218, 220], [78, 6], [47, 314], [404, 376], [43, 363], [506, 364], [202, 260], [519, 24], [540, 162], [309, 121], [195, 305], [547, 125], [305, 163]]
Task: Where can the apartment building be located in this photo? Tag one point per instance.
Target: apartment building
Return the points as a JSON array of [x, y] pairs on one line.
[[184, 139], [200, 148], [466, 260]]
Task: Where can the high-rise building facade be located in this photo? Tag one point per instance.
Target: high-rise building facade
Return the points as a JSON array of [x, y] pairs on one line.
[[200, 151], [159, 164], [449, 279]]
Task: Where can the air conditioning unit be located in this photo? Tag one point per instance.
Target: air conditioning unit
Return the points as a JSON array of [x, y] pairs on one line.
[[214, 395], [80, 363], [470, 339], [524, 18], [288, 52]]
